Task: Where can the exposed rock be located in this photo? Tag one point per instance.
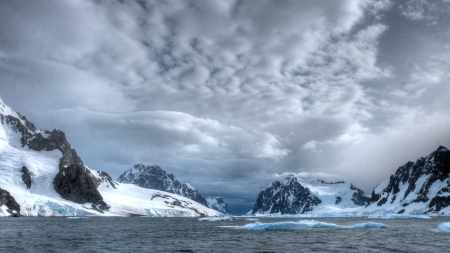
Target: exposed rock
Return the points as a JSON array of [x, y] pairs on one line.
[[75, 183], [9, 201], [412, 183], [26, 176], [42, 140], [153, 177], [289, 197], [217, 203]]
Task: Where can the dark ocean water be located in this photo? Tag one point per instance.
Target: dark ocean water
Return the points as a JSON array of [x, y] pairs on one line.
[[141, 234]]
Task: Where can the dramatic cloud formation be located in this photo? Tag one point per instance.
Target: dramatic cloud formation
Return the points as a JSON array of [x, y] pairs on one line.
[[230, 95]]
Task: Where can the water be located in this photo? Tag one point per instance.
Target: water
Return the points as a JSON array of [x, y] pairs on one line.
[[141, 234]]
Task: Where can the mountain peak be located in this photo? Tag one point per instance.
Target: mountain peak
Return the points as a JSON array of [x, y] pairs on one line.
[[154, 177]]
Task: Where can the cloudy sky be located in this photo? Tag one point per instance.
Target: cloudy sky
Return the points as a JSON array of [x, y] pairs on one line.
[[231, 95]]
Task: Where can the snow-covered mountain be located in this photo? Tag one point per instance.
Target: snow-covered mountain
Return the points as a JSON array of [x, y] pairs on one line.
[[422, 187], [42, 175], [316, 196], [217, 203], [153, 177]]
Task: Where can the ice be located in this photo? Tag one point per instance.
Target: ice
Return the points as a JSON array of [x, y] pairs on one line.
[[318, 224], [399, 216], [302, 225], [77, 218], [252, 219], [226, 218], [370, 225], [282, 226], [444, 227]]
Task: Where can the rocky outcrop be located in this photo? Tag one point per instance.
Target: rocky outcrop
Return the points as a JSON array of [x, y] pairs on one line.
[[289, 197], [217, 203], [75, 183], [359, 197], [425, 182], [26, 176], [153, 177], [6, 199]]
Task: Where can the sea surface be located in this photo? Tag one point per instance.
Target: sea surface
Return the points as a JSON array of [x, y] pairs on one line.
[[144, 234]]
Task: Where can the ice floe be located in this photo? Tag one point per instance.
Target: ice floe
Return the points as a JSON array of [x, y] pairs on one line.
[[302, 225], [444, 227], [399, 216], [226, 218]]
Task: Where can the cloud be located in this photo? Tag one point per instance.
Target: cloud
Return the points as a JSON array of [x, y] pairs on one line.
[[226, 94]]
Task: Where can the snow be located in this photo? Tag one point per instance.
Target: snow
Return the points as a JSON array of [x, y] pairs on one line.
[[226, 218], [444, 227], [252, 219]]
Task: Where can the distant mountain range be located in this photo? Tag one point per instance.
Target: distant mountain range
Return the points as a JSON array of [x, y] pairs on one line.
[[153, 177], [416, 188], [42, 175]]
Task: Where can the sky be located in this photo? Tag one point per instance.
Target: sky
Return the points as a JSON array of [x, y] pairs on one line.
[[230, 95]]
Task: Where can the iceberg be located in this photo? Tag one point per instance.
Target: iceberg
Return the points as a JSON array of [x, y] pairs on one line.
[[226, 218], [444, 227], [399, 216], [303, 225], [370, 225], [282, 226], [318, 224]]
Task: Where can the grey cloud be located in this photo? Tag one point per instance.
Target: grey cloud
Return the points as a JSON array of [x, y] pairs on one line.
[[228, 94]]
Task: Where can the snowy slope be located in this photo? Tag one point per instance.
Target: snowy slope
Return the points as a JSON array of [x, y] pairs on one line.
[[339, 197], [295, 196], [422, 187], [41, 199], [153, 177]]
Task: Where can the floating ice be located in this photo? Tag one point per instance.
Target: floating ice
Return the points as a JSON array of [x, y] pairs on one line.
[[444, 227], [370, 225], [251, 219], [318, 224], [226, 218], [304, 225], [77, 218], [282, 226], [399, 216]]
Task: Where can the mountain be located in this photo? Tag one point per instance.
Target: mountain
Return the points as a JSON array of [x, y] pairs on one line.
[[217, 203], [421, 187], [153, 177], [316, 196], [42, 175]]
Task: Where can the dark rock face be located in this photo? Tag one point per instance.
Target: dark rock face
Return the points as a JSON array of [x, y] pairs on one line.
[[75, 183], [153, 177], [359, 197], [419, 176], [26, 176], [217, 203], [289, 197], [9, 201]]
